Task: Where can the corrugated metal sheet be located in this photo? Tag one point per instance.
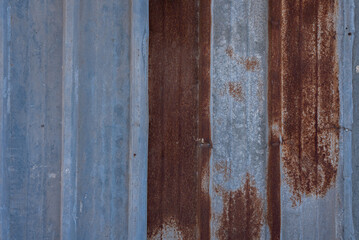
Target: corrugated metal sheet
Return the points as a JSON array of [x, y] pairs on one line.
[[280, 112], [74, 119], [246, 117]]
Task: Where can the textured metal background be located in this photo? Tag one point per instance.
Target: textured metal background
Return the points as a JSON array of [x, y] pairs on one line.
[[281, 116], [73, 119], [230, 82]]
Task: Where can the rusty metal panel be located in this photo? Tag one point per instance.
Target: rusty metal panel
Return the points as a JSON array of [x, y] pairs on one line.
[[74, 119], [251, 111], [280, 113], [179, 133], [304, 110]]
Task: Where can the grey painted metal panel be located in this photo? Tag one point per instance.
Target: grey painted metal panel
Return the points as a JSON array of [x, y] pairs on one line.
[[74, 119]]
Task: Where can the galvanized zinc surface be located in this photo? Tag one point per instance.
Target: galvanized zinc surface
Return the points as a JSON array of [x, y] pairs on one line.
[[74, 119]]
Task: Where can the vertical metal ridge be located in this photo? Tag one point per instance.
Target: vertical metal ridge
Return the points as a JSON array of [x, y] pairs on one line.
[[347, 56], [204, 128], [138, 140], [274, 119], [69, 122], [4, 72]]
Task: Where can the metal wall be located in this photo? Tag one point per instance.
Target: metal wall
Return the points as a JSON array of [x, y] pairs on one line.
[[280, 112], [244, 115], [73, 119]]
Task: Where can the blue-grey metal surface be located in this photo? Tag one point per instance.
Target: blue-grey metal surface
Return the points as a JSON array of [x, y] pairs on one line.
[[74, 119], [355, 128], [239, 70]]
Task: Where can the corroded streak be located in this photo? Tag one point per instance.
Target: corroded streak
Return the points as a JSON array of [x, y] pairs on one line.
[[310, 97], [179, 134], [204, 131], [303, 96], [274, 120], [243, 212]]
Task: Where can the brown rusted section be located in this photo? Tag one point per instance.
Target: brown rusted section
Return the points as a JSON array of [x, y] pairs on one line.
[[242, 216], [204, 131], [179, 133], [310, 103], [274, 119], [235, 90], [251, 63], [303, 100]]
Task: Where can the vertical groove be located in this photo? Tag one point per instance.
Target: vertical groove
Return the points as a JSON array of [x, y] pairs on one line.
[[204, 116], [4, 55], [274, 119], [68, 221]]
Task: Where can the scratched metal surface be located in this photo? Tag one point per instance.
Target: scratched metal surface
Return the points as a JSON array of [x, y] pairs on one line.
[[73, 119]]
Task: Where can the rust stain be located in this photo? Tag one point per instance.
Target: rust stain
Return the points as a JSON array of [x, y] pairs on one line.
[[223, 168], [235, 90], [274, 119], [229, 51], [204, 120], [250, 63], [303, 101], [169, 230], [242, 216], [310, 97], [179, 93]]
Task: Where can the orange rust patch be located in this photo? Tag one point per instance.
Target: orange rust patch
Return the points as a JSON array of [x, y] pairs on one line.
[[310, 97], [229, 51], [250, 63], [242, 216], [235, 90], [303, 101], [221, 167]]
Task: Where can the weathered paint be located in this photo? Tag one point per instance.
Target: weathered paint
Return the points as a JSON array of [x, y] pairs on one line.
[[179, 134]]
